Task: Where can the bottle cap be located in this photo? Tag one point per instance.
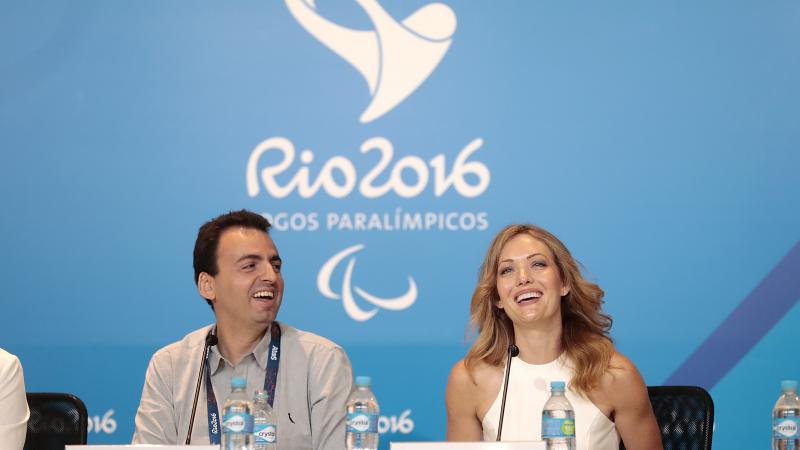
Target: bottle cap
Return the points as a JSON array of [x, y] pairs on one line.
[[238, 382], [789, 385], [261, 395], [363, 381], [557, 386]]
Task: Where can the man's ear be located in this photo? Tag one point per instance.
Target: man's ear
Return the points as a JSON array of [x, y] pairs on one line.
[[205, 285]]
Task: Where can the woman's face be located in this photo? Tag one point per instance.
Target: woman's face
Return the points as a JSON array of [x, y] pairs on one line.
[[528, 282]]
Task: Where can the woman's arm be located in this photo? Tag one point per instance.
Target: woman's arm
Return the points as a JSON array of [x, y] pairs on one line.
[[461, 398], [633, 413]]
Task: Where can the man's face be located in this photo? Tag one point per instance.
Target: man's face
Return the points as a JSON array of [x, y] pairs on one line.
[[248, 287]]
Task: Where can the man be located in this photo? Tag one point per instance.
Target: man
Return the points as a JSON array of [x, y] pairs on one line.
[[238, 271]]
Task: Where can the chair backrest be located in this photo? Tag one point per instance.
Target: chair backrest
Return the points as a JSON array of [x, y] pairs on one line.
[[56, 420], [685, 416]]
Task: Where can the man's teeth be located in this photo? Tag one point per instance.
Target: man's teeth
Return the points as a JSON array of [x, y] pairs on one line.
[[528, 296], [263, 294]]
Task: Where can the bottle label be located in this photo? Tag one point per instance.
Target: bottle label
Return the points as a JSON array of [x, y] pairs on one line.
[[553, 427], [785, 428], [266, 433], [237, 423], [362, 423]]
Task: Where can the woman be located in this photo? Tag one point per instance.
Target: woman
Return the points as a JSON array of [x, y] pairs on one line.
[[531, 293]]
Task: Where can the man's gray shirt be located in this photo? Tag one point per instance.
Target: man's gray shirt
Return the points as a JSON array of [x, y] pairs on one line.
[[314, 380]]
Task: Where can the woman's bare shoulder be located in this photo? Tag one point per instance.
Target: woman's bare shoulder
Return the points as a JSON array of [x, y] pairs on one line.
[[479, 375], [466, 399], [621, 371], [626, 392], [621, 381], [475, 388]]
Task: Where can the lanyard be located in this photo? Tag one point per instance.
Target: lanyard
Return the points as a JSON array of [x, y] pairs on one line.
[[270, 380]]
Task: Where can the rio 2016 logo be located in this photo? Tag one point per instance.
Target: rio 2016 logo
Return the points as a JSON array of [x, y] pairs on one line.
[[105, 424], [402, 424], [350, 306], [457, 177], [394, 58]]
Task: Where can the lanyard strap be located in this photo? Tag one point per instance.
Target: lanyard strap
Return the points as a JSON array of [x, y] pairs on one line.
[[270, 381]]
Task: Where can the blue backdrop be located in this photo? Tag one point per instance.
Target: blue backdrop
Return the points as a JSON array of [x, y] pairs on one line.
[[389, 142]]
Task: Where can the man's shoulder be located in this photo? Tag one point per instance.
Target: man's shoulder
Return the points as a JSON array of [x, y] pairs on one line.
[[188, 344], [307, 339], [319, 358]]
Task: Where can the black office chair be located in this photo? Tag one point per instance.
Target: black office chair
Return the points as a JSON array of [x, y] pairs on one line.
[[685, 416], [56, 420]]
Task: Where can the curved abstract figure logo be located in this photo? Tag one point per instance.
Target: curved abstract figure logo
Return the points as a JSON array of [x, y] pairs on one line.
[[395, 58], [350, 306]]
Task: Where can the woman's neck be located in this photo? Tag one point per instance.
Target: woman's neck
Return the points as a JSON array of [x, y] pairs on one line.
[[538, 345]]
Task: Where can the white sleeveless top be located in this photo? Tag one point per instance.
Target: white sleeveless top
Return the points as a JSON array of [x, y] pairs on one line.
[[528, 390]]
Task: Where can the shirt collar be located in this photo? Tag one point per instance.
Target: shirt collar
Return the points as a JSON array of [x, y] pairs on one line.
[[216, 361], [261, 350]]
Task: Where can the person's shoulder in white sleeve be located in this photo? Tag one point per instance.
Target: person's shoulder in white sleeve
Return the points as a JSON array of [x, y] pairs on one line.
[[13, 403]]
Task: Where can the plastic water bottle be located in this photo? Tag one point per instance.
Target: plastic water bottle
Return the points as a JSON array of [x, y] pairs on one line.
[[237, 418], [558, 419], [265, 429], [362, 417], [786, 418]]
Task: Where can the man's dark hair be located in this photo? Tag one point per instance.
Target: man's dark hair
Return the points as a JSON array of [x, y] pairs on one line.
[[205, 247]]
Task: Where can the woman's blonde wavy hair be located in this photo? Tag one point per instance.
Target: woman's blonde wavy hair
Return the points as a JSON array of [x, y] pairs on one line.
[[585, 337]]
